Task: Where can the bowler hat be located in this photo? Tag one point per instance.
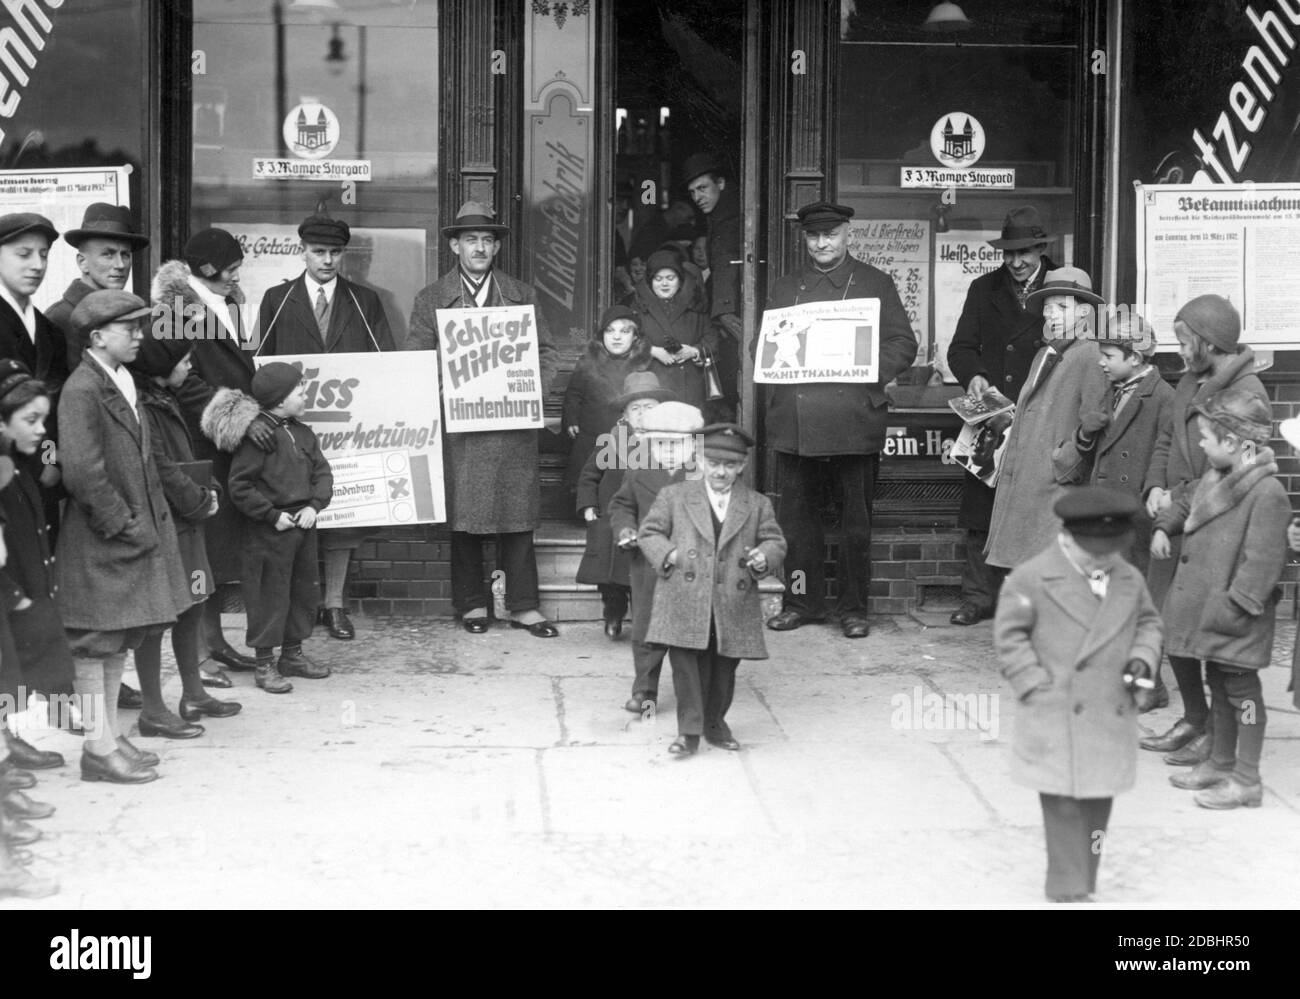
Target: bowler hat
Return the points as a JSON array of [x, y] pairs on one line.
[[725, 440], [325, 231], [107, 306], [823, 216], [14, 225], [1214, 319], [1069, 281], [1097, 512], [1021, 229], [105, 221], [700, 163], [211, 251], [474, 216], [643, 385]]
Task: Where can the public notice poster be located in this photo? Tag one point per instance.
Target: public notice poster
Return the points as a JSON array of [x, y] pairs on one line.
[[820, 342], [379, 427], [960, 256], [900, 248], [1234, 240], [491, 376], [62, 196]]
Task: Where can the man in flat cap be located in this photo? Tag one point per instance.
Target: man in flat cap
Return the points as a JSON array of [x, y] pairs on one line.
[[493, 483], [720, 203], [998, 333], [322, 312], [105, 243], [832, 433]]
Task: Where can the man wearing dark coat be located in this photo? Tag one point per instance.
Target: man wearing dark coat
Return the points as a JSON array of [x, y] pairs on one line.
[[999, 332], [322, 312], [832, 433], [493, 483]]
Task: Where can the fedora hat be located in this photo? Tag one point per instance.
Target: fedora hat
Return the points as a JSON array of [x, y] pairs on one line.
[[700, 163], [104, 221], [1022, 228], [474, 216], [643, 385], [1066, 281]]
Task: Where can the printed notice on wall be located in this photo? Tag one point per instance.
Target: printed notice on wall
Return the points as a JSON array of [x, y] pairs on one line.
[[376, 417], [820, 342], [1234, 240], [959, 258], [62, 196], [900, 248], [491, 376]]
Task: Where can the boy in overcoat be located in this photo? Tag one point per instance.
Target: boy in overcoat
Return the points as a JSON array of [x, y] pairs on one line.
[[1077, 634], [710, 540]]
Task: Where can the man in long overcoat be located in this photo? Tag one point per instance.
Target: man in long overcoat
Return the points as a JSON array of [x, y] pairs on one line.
[[999, 331], [493, 483], [322, 312], [832, 430]]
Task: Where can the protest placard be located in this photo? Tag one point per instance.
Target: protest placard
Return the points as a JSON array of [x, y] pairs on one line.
[[491, 376], [820, 342], [377, 419]]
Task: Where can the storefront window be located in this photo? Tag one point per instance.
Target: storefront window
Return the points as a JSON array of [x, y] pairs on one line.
[[320, 106], [941, 133]]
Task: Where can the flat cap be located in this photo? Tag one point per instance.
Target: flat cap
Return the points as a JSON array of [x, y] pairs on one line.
[[672, 419], [106, 306], [725, 440], [14, 225], [324, 230], [1241, 412], [823, 215], [1096, 512]]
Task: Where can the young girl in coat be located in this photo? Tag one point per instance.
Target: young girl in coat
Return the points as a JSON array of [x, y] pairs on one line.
[[1220, 606], [676, 325], [591, 400], [710, 540]]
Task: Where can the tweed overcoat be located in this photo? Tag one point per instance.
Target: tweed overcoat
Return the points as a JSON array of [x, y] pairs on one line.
[[628, 507], [707, 584], [1063, 651]]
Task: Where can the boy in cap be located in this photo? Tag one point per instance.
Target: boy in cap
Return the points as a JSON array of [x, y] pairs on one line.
[[710, 540], [1079, 639], [1221, 604], [120, 572], [667, 431], [279, 495]]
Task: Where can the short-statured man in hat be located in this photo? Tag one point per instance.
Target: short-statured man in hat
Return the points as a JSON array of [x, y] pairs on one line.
[[105, 243], [998, 333], [493, 483], [719, 200], [1064, 382], [322, 312], [832, 433]]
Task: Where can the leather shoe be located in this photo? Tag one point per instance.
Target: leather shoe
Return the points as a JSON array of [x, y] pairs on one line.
[[231, 659], [20, 884], [1201, 776], [17, 832], [216, 678], [136, 756], [684, 745], [128, 698], [638, 703], [723, 740], [339, 624], [27, 756], [114, 768], [169, 729], [1177, 737], [968, 614], [1231, 793], [855, 627], [1196, 751], [297, 664], [194, 709], [18, 806], [788, 620], [613, 629], [475, 625], [14, 779], [541, 629]]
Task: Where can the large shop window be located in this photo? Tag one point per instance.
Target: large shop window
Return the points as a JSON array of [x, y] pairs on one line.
[[72, 123], [320, 105], [942, 132]]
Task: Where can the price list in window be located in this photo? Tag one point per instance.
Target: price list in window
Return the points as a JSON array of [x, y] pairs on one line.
[[900, 248]]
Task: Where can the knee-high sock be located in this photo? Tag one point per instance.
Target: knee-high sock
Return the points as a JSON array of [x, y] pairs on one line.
[[88, 682]]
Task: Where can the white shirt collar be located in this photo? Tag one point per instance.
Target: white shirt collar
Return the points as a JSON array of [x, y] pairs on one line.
[[121, 378], [27, 315], [328, 287], [718, 501], [215, 304]]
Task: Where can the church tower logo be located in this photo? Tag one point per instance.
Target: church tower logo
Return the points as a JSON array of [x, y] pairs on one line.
[[311, 130], [957, 140]]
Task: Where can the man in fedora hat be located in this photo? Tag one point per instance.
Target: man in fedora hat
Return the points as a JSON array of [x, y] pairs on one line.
[[832, 433], [720, 202], [996, 338], [105, 243], [493, 483], [322, 312], [1064, 382]]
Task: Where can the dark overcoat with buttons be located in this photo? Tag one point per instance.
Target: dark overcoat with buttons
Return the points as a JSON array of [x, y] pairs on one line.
[[708, 584], [817, 419], [118, 561], [996, 338], [1063, 651], [41, 647]]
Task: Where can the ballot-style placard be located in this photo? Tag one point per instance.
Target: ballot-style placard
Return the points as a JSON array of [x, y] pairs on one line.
[[491, 376], [820, 342]]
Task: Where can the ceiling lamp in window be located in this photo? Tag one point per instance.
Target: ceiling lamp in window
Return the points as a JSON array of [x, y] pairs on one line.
[[947, 17]]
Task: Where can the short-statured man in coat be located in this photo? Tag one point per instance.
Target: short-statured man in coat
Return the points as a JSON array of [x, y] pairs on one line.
[[493, 482], [322, 312], [832, 432], [999, 332]]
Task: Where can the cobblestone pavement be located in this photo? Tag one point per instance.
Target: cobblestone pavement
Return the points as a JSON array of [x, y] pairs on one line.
[[438, 768]]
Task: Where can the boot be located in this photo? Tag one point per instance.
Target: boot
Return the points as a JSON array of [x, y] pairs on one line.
[[270, 680], [294, 663]]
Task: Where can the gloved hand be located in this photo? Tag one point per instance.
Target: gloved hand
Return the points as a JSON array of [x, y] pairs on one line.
[[1092, 424], [1138, 681], [261, 434]]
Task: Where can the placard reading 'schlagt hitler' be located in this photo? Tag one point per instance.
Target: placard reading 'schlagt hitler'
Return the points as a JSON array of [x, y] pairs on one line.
[[491, 377]]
